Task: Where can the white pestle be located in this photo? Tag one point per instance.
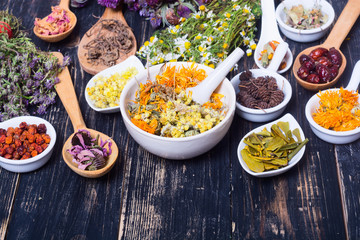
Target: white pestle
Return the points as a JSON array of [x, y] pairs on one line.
[[202, 92], [355, 78], [270, 32], [279, 55]]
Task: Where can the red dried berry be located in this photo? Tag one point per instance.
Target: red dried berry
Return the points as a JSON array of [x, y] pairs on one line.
[[334, 71], [325, 61], [318, 52], [313, 78], [303, 72], [324, 73], [41, 128], [2, 131], [335, 57], [303, 58], [23, 125], [310, 64]]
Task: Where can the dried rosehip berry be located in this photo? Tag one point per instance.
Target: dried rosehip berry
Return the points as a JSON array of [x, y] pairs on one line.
[[335, 57], [16, 155], [303, 72], [23, 125], [318, 52], [2, 131], [325, 61], [313, 78], [324, 73], [310, 64], [303, 58], [41, 128], [334, 71]]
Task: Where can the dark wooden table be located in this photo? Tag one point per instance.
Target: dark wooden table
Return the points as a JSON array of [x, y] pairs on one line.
[[208, 197]]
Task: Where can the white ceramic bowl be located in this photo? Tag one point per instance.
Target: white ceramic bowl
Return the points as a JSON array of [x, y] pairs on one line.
[[257, 115], [293, 124], [131, 61], [327, 135], [304, 35], [31, 164], [330, 135], [177, 148]]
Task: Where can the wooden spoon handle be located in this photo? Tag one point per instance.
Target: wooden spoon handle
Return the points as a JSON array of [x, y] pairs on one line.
[[117, 13], [344, 24], [64, 4], [65, 90]]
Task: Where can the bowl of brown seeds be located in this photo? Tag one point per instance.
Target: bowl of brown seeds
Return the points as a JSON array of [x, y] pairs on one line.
[[261, 95]]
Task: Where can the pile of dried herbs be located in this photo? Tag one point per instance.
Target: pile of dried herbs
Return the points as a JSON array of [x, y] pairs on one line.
[[272, 150], [304, 19], [112, 41], [27, 75]]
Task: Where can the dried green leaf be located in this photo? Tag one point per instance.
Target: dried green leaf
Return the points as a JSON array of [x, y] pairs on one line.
[[296, 133], [251, 162], [275, 144]]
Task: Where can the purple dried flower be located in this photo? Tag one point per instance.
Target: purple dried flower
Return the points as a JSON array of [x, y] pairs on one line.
[[183, 11], [154, 3], [38, 76], [41, 109], [49, 83], [48, 65], [56, 80], [66, 61], [203, 2], [155, 20], [29, 83], [144, 12], [109, 3]]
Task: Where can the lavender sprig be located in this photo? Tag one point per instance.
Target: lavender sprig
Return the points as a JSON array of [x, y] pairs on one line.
[[27, 75]]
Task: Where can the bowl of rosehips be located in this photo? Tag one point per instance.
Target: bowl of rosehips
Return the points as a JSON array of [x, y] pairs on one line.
[[319, 69], [26, 143]]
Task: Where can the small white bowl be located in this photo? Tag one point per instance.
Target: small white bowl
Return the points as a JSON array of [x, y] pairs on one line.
[[131, 61], [31, 164], [258, 115], [304, 35], [335, 137], [293, 124], [330, 136], [177, 148]]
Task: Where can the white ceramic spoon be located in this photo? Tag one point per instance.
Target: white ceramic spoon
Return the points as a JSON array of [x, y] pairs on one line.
[[335, 137], [202, 92], [131, 61], [270, 32]]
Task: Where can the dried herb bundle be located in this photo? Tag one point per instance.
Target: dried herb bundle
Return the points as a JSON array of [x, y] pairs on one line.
[[260, 92], [112, 40]]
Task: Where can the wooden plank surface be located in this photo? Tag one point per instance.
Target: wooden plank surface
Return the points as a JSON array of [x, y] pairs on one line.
[[208, 197]]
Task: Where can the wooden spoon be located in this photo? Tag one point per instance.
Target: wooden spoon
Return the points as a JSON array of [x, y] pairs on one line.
[[336, 37], [64, 4], [66, 92], [109, 13]]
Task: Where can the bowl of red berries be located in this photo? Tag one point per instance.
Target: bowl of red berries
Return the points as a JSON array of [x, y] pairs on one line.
[[26, 143]]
